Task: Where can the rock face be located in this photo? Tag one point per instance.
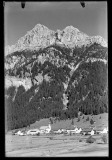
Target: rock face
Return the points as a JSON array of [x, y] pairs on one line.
[[50, 73], [41, 37]]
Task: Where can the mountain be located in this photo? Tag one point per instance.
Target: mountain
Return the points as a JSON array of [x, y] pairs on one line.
[[55, 74], [41, 37]]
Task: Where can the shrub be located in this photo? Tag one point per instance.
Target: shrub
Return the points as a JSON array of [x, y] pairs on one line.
[[100, 117], [104, 138], [83, 117], [90, 139], [91, 121], [51, 138], [51, 120], [55, 120], [51, 132], [87, 119], [70, 134], [80, 140], [38, 134], [78, 119], [72, 123]]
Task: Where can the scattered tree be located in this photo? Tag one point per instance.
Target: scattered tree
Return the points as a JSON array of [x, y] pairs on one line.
[[104, 138], [78, 119], [72, 123], [91, 122], [51, 120], [90, 139], [87, 119]]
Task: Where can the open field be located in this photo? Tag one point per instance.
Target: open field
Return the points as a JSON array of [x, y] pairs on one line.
[[53, 146]]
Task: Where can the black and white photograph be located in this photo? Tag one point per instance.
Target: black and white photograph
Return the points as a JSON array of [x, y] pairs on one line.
[[56, 79]]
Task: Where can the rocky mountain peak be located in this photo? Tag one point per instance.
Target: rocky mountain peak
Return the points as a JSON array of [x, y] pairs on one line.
[[71, 29], [40, 37]]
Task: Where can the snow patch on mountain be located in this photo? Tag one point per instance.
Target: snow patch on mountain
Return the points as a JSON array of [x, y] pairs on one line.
[[65, 85], [47, 78], [41, 59], [96, 59], [73, 68], [65, 100], [13, 81]]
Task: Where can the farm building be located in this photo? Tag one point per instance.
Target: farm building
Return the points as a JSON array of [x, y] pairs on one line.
[[86, 131]]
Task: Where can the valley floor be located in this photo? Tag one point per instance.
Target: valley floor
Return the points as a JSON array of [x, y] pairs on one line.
[[53, 146]]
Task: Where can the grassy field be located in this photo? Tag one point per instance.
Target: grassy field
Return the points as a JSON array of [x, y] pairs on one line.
[[55, 145]]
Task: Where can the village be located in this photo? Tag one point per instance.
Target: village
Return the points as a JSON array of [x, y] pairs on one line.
[[45, 130], [60, 138]]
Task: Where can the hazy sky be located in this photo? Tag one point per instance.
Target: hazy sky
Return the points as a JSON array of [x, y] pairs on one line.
[[91, 20]]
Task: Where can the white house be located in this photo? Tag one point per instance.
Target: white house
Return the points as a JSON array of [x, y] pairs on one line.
[[92, 132], [58, 131], [33, 132], [46, 129], [104, 131], [42, 131], [73, 130], [63, 130], [78, 131], [20, 133]]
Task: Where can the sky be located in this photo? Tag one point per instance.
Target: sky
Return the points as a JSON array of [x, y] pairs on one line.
[[91, 20]]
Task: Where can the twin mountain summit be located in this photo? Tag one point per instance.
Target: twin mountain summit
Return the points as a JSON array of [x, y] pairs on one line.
[[55, 74]]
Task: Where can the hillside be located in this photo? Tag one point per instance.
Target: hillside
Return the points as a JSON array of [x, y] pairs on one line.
[[101, 121], [62, 74]]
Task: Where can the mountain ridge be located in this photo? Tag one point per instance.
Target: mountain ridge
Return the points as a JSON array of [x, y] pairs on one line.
[[40, 37]]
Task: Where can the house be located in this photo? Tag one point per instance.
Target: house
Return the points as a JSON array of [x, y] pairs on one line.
[[63, 130], [20, 133], [45, 129], [104, 131], [101, 129], [86, 131], [42, 131], [59, 131], [92, 132], [14, 132], [78, 131], [73, 130], [33, 132]]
